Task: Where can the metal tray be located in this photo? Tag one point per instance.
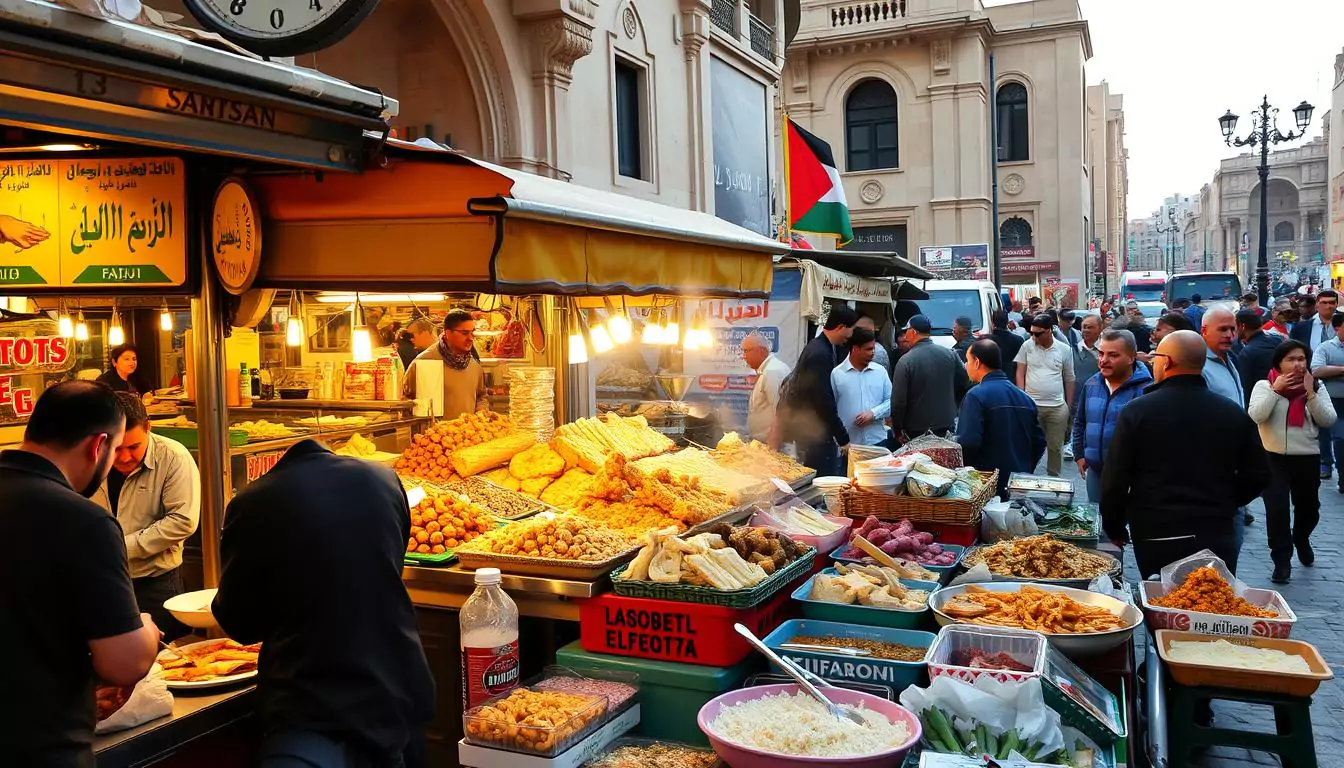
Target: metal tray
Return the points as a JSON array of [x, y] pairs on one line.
[[804, 481], [1115, 568], [545, 566], [1078, 644], [534, 505]]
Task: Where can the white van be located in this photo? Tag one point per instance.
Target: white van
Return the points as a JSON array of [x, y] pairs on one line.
[[950, 299]]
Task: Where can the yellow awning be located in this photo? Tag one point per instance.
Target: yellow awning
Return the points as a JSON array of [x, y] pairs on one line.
[[433, 219]]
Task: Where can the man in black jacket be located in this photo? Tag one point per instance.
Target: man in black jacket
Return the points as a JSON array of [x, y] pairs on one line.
[[1174, 509], [927, 385], [814, 423], [1257, 350], [1009, 342], [312, 556]]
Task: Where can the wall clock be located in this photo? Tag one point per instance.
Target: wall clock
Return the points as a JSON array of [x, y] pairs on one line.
[[281, 27]]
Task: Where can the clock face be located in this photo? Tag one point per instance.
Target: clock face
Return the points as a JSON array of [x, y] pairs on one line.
[[281, 27]]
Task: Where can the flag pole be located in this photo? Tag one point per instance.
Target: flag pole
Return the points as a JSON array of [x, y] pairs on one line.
[[786, 231]]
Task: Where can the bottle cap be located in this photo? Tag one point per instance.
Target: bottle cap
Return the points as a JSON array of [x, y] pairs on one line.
[[487, 576]]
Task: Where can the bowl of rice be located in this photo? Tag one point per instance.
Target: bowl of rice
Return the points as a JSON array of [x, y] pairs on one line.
[[780, 726]]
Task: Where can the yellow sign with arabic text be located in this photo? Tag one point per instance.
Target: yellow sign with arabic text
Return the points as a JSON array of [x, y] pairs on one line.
[[93, 223]]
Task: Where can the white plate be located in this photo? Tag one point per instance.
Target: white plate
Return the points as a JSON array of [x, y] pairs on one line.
[[196, 685]]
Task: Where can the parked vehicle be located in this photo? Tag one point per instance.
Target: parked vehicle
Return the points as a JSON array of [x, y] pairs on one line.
[[1212, 287], [1149, 285], [950, 299]]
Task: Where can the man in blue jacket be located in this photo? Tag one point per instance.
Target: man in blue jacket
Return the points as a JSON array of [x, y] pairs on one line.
[[1117, 381], [997, 427]]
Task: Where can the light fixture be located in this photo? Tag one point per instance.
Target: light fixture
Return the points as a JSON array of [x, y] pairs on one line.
[[697, 336], [671, 328], [294, 325], [361, 341], [48, 148], [653, 328], [66, 326], [165, 318], [1302, 113], [578, 345], [380, 298], [1228, 123], [116, 335], [618, 322], [600, 338], [81, 327]]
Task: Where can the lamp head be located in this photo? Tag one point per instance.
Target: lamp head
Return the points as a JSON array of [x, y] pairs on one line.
[[1302, 113], [1228, 123]]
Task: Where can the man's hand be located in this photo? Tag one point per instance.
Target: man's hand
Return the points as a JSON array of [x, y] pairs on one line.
[[21, 233], [844, 449], [148, 621], [864, 419], [1082, 467]]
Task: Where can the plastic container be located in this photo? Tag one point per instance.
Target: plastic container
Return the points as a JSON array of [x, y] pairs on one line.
[[894, 618], [669, 693], [609, 692], [779, 581], [1081, 701], [1026, 647], [857, 669], [943, 571], [830, 487], [1291, 684], [746, 757], [675, 631], [824, 543], [575, 756], [1157, 617], [605, 760], [488, 641]]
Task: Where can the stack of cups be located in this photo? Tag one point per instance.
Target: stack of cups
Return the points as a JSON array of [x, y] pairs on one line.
[[532, 400]]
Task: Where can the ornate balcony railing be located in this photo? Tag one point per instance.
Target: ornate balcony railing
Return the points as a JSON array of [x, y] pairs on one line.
[[724, 15], [853, 14], [762, 38]]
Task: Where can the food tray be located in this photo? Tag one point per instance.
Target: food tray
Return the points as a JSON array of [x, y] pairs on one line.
[[1083, 702], [592, 745], [468, 484], [737, 598], [1024, 646], [191, 438], [522, 565], [893, 618], [1077, 644], [942, 570], [1219, 624], [688, 633], [803, 481], [820, 543], [629, 741], [295, 433], [1088, 539], [1076, 583], [442, 559], [1041, 488], [561, 736], [857, 669], [858, 503], [1216, 676], [734, 516]]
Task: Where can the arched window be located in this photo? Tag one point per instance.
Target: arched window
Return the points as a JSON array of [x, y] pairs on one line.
[[1015, 232], [1283, 232], [870, 127], [1011, 104]]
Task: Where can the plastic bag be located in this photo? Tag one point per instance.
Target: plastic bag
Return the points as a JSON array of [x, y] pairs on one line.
[[1000, 521], [944, 452], [149, 700], [1174, 575], [926, 486], [976, 574], [1105, 585], [1016, 705]]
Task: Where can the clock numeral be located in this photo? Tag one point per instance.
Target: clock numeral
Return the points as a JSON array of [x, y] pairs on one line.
[[315, 5], [277, 18], [237, 6]]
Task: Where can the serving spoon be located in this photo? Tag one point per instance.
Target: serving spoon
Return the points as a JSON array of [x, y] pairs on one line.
[[802, 681]]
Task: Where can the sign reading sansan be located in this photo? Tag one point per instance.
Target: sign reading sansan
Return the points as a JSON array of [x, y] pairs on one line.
[[235, 236]]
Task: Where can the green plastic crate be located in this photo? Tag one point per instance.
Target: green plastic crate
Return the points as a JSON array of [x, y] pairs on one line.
[[738, 598], [670, 694]]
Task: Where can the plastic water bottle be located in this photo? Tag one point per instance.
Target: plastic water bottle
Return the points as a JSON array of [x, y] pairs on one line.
[[488, 630]]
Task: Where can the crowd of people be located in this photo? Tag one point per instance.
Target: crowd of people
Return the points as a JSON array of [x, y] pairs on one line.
[[1262, 389]]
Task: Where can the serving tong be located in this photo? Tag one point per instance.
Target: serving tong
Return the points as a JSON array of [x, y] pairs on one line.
[[800, 676]]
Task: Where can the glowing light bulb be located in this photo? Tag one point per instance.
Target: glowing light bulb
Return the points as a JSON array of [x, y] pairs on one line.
[[165, 319], [81, 328], [294, 331], [66, 326], [602, 342], [116, 336], [361, 343], [578, 350], [671, 332]]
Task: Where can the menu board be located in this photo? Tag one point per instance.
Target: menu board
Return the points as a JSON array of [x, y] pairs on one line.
[[93, 222]]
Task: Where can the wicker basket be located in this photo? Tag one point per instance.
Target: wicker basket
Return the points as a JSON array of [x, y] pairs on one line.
[[738, 598], [858, 503]]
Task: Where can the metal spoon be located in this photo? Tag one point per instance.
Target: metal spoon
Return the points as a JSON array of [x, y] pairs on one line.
[[802, 681]]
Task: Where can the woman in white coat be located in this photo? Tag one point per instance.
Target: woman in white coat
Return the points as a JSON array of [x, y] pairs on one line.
[[1290, 413]]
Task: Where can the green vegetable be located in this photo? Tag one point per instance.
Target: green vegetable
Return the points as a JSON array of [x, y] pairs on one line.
[[1032, 749], [1010, 743], [991, 743], [931, 734], [967, 738], [944, 729], [981, 738]]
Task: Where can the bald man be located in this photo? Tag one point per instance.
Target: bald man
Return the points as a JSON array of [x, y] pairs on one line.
[[1220, 367], [1170, 508]]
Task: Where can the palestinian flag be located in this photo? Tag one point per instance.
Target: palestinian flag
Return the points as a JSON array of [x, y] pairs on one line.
[[816, 199]]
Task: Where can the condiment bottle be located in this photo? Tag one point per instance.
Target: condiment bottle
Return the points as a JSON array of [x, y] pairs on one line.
[[244, 385], [488, 631]]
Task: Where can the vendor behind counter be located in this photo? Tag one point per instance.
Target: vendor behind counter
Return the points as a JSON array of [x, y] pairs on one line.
[[447, 375]]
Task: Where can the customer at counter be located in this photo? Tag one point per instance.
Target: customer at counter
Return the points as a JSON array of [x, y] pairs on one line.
[[66, 621], [312, 556], [997, 427], [415, 338], [154, 492], [122, 376], [447, 374]]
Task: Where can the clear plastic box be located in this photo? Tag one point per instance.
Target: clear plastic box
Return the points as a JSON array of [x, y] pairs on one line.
[[1025, 647], [592, 699], [698, 757]]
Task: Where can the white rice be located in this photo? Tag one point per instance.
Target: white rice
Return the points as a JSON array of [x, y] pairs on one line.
[[797, 724]]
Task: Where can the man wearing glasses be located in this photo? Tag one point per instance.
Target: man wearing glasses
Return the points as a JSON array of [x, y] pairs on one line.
[[1045, 372], [447, 375]]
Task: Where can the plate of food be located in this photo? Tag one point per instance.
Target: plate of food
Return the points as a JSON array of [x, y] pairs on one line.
[[208, 664], [1077, 622]]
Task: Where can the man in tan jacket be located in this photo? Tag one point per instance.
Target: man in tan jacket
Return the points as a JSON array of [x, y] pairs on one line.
[[446, 374]]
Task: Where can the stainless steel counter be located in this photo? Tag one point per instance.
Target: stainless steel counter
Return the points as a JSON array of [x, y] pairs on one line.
[[194, 716], [535, 595]]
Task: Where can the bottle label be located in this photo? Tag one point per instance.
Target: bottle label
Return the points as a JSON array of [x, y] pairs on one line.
[[488, 672]]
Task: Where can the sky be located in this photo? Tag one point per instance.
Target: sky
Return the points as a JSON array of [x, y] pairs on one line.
[[1181, 64]]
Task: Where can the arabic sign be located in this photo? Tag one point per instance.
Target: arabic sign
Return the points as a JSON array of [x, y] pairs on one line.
[[1018, 253], [94, 222], [1020, 268], [821, 283], [235, 237]]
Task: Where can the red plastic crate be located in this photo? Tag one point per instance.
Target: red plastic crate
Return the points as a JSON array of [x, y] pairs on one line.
[[668, 630], [963, 535]]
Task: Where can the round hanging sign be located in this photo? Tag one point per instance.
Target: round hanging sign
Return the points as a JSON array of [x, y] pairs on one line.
[[235, 236]]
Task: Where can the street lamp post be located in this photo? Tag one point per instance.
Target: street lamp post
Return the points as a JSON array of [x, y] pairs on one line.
[[1264, 133], [1170, 231]]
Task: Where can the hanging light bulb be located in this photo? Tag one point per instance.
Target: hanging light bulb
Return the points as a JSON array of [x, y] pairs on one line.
[[81, 328], [600, 338], [116, 335], [165, 318], [618, 322], [361, 342], [578, 346], [294, 325], [671, 329], [653, 329], [65, 326]]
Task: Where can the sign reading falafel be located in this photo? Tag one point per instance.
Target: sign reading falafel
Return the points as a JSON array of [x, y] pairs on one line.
[[93, 222]]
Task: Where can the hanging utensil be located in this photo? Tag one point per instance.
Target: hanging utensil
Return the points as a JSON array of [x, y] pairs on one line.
[[536, 330], [802, 680]]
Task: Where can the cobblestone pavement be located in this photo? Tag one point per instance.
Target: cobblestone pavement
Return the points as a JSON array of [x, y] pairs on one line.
[[1317, 597]]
